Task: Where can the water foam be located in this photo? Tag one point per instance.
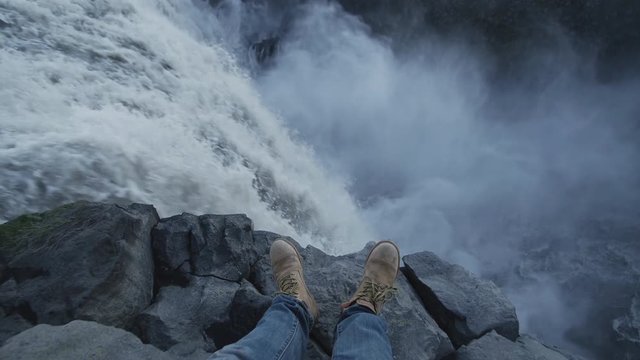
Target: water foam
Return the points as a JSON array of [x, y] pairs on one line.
[[108, 100]]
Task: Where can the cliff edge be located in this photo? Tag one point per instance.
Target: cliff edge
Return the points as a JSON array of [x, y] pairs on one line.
[[104, 281]]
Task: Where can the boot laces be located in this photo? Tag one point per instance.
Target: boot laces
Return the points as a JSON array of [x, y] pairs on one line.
[[288, 285], [375, 293]]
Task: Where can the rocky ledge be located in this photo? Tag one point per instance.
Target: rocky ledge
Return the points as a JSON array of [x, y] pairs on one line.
[[103, 281]]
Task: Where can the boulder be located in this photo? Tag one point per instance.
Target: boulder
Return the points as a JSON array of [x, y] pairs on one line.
[[182, 315], [261, 276], [333, 279], [465, 306], [79, 340], [208, 245], [495, 347], [203, 297], [80, 261], [245, 310]]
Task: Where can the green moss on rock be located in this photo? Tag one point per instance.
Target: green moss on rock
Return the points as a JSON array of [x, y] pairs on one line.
[[12, 233], [18, 233]]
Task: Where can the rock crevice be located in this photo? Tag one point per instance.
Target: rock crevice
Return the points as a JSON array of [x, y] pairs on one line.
[[465, 306]]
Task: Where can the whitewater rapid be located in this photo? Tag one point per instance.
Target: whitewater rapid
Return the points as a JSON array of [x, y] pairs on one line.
[[113, 100]]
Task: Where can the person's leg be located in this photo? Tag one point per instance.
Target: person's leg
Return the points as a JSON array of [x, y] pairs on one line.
[[282, 333], [361, 332]]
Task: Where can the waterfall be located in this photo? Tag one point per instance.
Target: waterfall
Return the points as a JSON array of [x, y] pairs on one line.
[[107, 100], [515, 158]]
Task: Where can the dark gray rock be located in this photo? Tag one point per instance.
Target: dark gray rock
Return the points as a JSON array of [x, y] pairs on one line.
[[265, 49], [245, 311], [333, 279], [465, 306], [11, 325], [411, 329], [79, 261], [79, 340], [182, 315], [495, 347], [201, 263], [207, 245], [171, 240], [545, 351], [261, 276]]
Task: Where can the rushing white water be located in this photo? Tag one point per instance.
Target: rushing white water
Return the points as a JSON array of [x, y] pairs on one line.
[[137, 100]]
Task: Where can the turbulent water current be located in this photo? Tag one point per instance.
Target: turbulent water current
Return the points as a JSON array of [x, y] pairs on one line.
[[138, 100], [339, 133]]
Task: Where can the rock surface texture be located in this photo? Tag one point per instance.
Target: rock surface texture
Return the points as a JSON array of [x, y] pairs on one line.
[[102, 281], [465, 306], [81, 261], [495, 347], [78, 340]]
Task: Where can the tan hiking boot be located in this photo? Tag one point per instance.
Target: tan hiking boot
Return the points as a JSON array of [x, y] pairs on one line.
[[380, 271], [286, 265]]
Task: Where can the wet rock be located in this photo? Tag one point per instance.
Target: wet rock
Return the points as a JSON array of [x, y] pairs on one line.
[[465, 306], [265, 49], [245, 312], [171, 243], [333, 279], [201, 263], [79, 340], [261, 276], [207, 245], [495, 347], [79, 261], [181, 315]]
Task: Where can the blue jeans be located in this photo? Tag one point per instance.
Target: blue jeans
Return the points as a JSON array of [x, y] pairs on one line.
[[283, 333]]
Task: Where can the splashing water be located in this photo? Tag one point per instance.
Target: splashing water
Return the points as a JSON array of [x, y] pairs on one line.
[[108, 100]]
